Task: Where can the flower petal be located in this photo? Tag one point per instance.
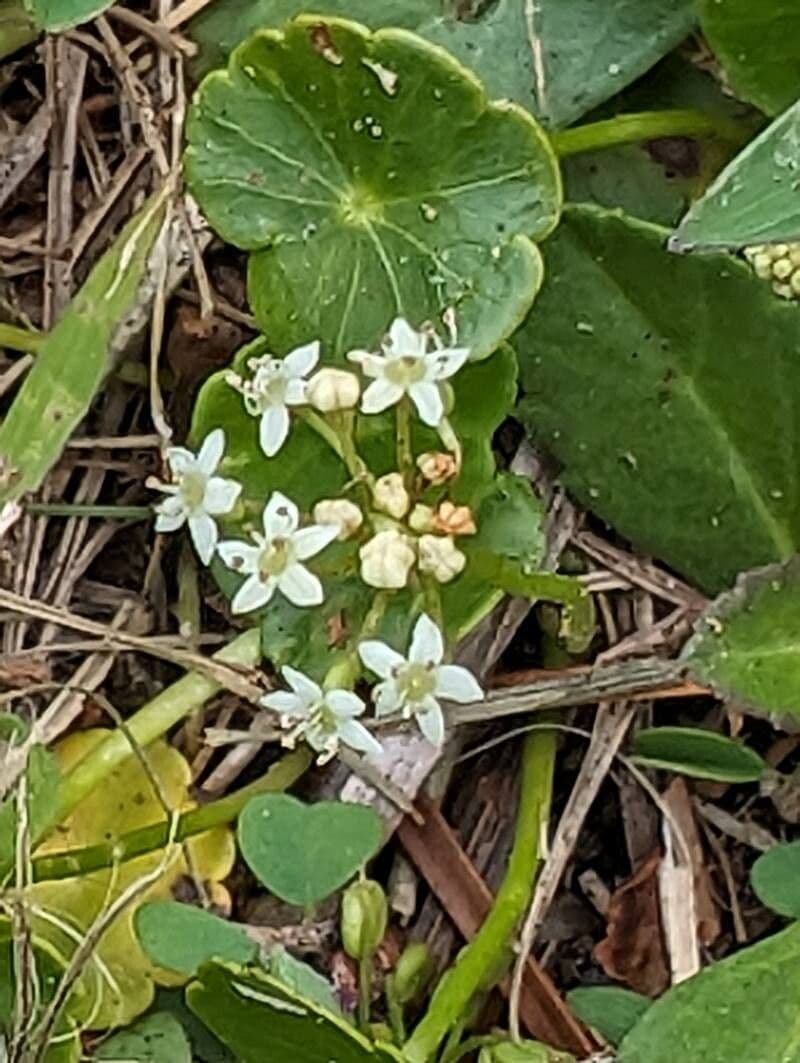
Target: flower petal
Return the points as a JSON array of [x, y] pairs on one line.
[[404, 340], [355, 735], [253, 594], [380, 658], [170, 522], [221, 495], [300, 586], [204, 533], [273, 429], [431, 721], [280, 517], [295, 393], [180, 460], [380, 395], [305, 689], [443, 364], [455, 683], [372, 365], [210, 454], [239, 555], [386, 698], [427, 645], [344, 703], [309, 541], [428, 400], [285, 702], [302, 360]]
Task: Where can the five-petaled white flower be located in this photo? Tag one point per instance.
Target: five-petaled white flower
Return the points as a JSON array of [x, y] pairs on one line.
[[324, 718], [414, 684], [407, 367], [274, 560], [276, 384], [196, 496]]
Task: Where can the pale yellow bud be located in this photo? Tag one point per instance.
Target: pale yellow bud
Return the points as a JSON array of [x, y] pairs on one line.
[[454, 520], [386, 560], [391, 496], [421, 518], [333, 389], [437, 467], [440, 557], [339, 511]]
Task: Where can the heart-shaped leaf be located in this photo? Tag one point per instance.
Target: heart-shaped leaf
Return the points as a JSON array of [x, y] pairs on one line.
[[758, 44], [181, 937], [746, 644], [775, 878], [309, 150], [158, 1038], [262, 1021], [744, 1007], [303, 853], [583, 55], [754, 200], [639, 374], [609, 1009], [699, 753]]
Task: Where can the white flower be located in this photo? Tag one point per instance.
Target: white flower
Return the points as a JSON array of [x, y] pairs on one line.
[[386, 560], [324, 718], [407, 367], [333, 389], [276, 384], [274, 562], [196, 495], [414, 684], [339, 511], [390, 495], [440, 557]]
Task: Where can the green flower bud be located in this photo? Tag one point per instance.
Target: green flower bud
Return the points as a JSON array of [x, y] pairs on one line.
[[412, 973], [524, 1052], [363, 920]]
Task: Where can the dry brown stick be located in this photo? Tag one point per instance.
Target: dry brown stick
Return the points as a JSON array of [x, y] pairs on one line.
[[183, 12], [22, 153]]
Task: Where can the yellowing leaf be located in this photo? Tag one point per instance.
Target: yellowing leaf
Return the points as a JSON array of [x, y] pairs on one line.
[[124, 802]]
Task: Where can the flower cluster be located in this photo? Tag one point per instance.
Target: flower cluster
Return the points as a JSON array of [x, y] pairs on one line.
[[778, 263]]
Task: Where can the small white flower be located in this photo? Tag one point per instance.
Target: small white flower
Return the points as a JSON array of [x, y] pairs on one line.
[[390, 495], [440, 557], [413, 685], [324, 718], [276, 384], [386, 560], [407, 367], [339, 511], [274, 562], [196, 495], [333, 389]]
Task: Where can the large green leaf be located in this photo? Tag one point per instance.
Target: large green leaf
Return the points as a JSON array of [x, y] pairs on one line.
[[747, 643], [310, 148], [758, 44], [583, 55], [181, 937], [158, 1038], [262, 1021], [755, 199], [697, 752], [16, 27], [75, 357], [775, 878], [742, 1008], [55, 16], [650, 376]]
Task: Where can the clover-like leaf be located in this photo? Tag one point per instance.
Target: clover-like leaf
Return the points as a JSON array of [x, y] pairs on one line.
[[775, 878], [181, 937], [639, 375], [124, 802], [309, 151]]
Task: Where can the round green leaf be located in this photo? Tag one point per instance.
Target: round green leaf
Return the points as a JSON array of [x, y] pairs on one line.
[[775, 878], [303, 853], [309, 150], [609, 1009], [745, 645], [158, 1038], [699, 753], [181, 937]]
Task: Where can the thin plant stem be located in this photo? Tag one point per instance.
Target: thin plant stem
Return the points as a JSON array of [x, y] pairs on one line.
[[646, 125], [405, 453], [485, 959], [364, 992], [20, 339], [66, 509]]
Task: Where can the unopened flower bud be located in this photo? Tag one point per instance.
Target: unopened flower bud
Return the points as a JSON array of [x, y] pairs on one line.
[[386, 560], [363, 919], [333, 389], [391, 496], [413, 970], [339, 511], [454, 520], [437, 466], [440, 557], [421, 518], [522, 1052]]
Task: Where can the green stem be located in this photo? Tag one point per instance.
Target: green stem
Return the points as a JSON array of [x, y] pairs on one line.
[[322, 428], [488, 954], [405, 453], [58, 865], [647, 125], [20, 339], [59, 509], [395, 1011], [364, 992]]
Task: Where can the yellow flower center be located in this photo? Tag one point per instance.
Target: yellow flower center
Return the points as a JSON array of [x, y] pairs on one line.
[[405, 371]]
